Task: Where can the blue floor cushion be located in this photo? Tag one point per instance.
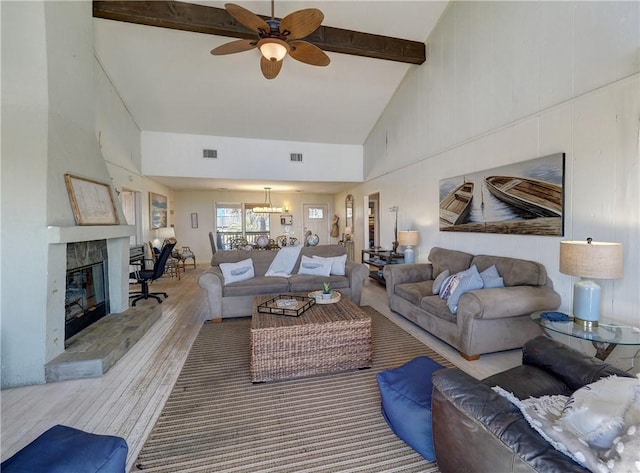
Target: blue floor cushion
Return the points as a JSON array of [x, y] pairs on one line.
[[62, 449], [405, 393]]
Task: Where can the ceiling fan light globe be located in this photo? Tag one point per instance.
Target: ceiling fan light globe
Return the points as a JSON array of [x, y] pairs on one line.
[[273, 49]]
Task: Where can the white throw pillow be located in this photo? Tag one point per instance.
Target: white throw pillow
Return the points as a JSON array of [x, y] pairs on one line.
[[437, 282], [240, 271], [338, 263], [315, 266], [468, 280], [593, 412], [596, 412]]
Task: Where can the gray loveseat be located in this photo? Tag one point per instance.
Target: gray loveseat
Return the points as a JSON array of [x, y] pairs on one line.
[[487, 320], [236, 299]]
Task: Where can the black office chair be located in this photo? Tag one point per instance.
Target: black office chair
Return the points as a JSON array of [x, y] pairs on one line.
[[145, 276]]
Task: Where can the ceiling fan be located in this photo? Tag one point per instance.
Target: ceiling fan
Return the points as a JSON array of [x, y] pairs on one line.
[[277, 38]]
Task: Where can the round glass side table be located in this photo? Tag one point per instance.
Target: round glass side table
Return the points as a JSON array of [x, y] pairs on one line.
[[605, 337]]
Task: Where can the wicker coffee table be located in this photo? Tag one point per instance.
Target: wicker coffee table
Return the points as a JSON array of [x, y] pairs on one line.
[[325, 339]]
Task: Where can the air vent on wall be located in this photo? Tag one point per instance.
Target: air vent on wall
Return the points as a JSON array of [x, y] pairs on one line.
[[210, 153], [296, 157]]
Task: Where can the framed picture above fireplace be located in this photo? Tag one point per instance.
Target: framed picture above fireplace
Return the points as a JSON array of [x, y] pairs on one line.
[[91, 201], [157, 210]]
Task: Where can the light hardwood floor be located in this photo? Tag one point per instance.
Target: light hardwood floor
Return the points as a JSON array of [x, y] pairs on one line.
[[127, 400]]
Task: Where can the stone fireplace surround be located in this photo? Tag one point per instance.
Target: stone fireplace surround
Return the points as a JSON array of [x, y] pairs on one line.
[[117, 237]]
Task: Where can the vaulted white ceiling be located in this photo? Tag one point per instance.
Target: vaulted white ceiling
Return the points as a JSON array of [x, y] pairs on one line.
[[170, 82]]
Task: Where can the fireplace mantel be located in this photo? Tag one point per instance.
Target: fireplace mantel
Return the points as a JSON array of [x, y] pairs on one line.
[[88, 232], [117, 237]]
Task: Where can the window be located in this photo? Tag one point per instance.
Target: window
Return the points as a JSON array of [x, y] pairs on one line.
[[316, 212], [238, 225]]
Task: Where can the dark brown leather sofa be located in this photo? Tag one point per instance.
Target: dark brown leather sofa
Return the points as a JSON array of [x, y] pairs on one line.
[[476, 430]]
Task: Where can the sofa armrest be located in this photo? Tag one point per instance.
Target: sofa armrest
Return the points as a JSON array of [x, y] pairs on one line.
[[498, 303], [212, 281], [402, 273], [356, 273], [493, 435]]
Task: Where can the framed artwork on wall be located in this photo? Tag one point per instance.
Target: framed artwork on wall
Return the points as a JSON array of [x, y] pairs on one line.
[[525, 198], [91, 201], [157, 210]]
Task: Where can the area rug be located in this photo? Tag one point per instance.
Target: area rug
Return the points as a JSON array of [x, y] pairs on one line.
[[216, 420]]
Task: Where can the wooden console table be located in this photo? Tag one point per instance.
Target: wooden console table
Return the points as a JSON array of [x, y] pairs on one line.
[[377, 260]]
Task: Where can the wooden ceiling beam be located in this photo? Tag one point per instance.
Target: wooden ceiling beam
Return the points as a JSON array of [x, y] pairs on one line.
[[217, 21]]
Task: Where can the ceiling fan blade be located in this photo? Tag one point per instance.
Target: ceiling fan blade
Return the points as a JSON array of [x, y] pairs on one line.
[[234, 47], [308, 53], [270, 69], [247, 18], [301, 23]]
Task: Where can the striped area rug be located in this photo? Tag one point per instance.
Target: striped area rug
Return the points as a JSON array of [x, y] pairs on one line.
[[216, 420]]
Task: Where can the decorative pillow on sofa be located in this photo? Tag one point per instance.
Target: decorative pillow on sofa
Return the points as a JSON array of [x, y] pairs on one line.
[[596, 411], [491, 277], [550, 416], [437, 282], [468, 280], [449, 283], [338, 263], [317, 266], [240, 271]]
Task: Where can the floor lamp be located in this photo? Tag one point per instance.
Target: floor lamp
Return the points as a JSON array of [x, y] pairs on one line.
[[589, 260]]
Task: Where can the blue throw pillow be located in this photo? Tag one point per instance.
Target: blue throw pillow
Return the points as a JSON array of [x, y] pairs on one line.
[[491, 277], [468, 280]]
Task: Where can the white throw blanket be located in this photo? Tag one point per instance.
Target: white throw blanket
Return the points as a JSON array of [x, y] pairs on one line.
[[283, 263]]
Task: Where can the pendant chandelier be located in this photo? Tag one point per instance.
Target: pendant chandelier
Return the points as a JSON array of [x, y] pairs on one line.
[[268, 208]]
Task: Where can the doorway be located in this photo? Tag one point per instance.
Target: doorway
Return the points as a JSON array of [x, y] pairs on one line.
[[316, 221], [373, 219]]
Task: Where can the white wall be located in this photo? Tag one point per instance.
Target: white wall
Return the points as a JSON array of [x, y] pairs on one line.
[[24, 191], [119, 138], [510, 81], [47, 128], [176, 154]]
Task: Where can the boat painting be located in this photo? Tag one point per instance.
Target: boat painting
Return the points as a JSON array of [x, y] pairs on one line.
[[537, 197], [455, 207], [525, 198]]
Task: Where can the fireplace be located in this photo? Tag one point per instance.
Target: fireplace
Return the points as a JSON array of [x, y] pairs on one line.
[[87, 285]]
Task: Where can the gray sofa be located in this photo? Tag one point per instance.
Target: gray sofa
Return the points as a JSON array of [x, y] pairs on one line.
[[236, 299], [487, 320]]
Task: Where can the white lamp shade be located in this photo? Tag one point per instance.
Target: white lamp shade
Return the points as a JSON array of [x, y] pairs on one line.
[[408, 237], [597, 260], [273, 49], [168, 232]]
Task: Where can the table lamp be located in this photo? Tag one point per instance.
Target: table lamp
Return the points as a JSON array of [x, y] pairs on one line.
[[409, 239], [589, 260]]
